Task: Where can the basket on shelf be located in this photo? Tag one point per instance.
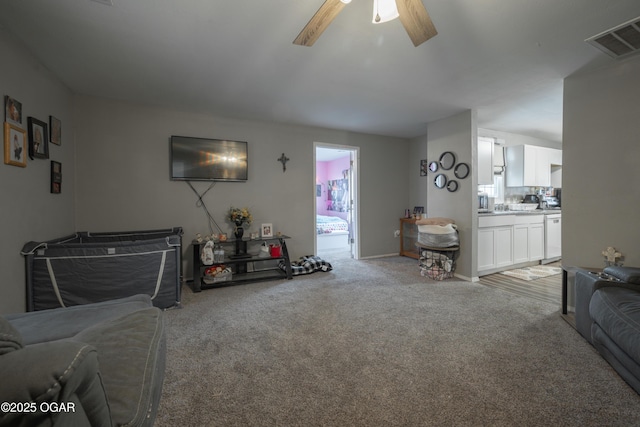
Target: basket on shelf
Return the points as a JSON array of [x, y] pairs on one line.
[[216, 274]]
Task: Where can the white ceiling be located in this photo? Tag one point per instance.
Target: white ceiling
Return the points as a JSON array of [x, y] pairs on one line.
[[504, 58]]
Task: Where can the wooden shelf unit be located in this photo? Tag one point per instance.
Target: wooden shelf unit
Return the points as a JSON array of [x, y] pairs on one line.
[[409, 238]]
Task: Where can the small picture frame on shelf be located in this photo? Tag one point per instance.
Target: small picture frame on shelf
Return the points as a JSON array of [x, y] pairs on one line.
[[266, 230]]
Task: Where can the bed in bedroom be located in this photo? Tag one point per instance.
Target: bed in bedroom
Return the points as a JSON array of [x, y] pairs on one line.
[[333, 232]]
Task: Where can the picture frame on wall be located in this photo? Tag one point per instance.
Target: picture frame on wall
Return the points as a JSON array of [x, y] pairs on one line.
[[424, 167], [15, 145], [55, 131], [12, 111], [266, 230], [56, 177], [38, 138]]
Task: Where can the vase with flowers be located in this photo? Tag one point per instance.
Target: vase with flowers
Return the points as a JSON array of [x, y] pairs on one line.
[[239, 216]]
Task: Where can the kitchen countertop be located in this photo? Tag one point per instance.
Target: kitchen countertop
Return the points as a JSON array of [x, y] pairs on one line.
[[534, 212]]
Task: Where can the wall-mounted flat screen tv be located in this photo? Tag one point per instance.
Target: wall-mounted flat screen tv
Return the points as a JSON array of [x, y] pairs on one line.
[[202, 159]]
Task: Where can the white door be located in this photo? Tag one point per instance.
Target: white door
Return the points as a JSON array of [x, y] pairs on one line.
[[352, 204]]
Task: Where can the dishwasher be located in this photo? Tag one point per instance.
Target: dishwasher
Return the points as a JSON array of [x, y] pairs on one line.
[[552, 237]]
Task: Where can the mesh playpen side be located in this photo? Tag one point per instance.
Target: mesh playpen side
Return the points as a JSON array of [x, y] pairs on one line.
[[91, 267]]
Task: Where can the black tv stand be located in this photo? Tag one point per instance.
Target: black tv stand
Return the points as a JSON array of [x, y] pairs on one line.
[[243, 263]]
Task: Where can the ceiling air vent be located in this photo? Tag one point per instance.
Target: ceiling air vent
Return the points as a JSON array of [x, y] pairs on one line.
[[619, 42]]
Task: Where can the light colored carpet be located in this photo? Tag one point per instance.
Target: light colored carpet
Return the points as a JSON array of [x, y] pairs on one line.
[[373, 343], [533, 273]]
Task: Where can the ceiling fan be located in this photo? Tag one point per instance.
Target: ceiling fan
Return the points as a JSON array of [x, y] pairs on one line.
[[412, 14]]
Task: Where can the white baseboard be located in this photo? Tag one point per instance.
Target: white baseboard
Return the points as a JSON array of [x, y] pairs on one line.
[[465, 278], [381, 256]]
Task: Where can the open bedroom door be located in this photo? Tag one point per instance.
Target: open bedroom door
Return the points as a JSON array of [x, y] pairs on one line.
[[336, 207]]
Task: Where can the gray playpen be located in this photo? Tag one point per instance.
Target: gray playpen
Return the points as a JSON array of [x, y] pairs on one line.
[[88, 267]]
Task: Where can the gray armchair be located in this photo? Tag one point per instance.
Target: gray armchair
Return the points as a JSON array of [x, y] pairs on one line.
[[88, 365]]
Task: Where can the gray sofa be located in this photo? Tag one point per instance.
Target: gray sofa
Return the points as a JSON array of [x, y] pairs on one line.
[[97, 364], [608, 316]]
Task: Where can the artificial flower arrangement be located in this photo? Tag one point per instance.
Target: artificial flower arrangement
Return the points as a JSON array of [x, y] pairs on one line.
[[239, 216]]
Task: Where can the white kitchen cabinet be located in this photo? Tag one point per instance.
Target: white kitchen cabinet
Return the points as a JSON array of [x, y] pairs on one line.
[[556, 176], [485, 161], [528, 238], [530, 165], [520, 243], [536, 242], [505, 240], [504, 246], [555, 157], [486, 249], [542, 167], [495, 241], [495, 247], [519, 167]]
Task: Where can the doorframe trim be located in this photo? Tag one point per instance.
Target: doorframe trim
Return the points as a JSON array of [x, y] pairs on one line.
[[356, 198]]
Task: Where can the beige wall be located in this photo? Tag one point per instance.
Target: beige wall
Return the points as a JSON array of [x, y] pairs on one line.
[[28, 211], [456, 134], [601, 177], [123, 176], [115, 163]]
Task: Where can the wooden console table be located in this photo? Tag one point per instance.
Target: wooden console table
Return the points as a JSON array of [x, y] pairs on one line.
[[408, 238]]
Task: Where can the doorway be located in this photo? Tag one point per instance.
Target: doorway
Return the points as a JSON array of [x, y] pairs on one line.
[[336, 201]]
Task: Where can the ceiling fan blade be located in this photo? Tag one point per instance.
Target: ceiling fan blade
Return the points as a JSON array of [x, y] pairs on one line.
[[416, 21], [319, 22]]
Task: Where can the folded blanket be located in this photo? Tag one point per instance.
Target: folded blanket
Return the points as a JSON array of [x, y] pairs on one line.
[[435, 221], [307, 265]]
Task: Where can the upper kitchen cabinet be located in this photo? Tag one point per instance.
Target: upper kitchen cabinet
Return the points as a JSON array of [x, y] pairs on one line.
[[490, 159], [485, 161], [530, 165]]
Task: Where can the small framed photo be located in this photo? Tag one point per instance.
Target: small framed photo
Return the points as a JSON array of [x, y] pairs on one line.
[[266, 230], [424, 167], [12, 111], [55, 131], [38, 138], [56, 177], [15, 145]]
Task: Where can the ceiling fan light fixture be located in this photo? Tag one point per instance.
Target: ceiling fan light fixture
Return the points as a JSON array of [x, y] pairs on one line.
[[384, 11], [346, 1]]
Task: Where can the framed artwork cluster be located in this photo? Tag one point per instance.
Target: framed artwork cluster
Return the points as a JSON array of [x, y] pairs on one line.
[[32, 142]]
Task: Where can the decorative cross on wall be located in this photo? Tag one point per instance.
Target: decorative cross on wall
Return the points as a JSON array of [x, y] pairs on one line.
[[283, 159]]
